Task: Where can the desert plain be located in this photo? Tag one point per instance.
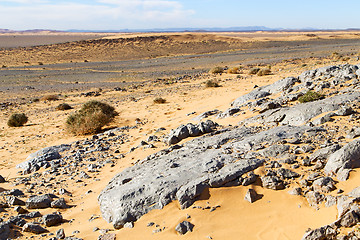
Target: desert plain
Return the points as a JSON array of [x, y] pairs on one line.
[[129, 71]]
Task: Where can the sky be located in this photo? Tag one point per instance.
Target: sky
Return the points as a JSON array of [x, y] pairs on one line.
[[150, 14]]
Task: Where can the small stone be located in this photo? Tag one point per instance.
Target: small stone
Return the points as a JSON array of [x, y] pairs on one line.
[[52, 219], [129, 225], [20, 210], [59, 203], [60, 234], [184, 227], [251, 196], [150, 224], [2, 179], [108, 236]]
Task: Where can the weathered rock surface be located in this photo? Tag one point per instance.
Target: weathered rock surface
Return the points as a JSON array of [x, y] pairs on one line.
[[322, 233], [208, 161], [33, 228], [38, 159], [343, 160], [42, 201], [52, 219]]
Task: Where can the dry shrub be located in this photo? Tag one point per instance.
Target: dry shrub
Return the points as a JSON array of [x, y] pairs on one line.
[[216, 70], [90, 118], [234, 70], [254, 71], [17, 120], [159, 100], [50, 98], [336, 56], [63, 106], [212, 83], [264, 71]]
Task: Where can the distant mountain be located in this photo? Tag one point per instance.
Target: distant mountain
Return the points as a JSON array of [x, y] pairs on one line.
[[229, 29], [6, 31]]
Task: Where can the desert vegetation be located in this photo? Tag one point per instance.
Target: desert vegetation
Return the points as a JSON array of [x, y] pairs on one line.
[[217, 70], [50, 97], [159, 100], [310, 96], [17, 120], [90, 118], [212, 83]]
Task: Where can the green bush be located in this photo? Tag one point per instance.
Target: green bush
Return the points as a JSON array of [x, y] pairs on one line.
[[90, 118], [216, 70], [212, 83], [310, 96], [63, 106], [17, 120]]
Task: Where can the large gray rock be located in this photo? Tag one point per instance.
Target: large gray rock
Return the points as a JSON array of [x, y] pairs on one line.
[[184, 227], [33, 228], [39, 158], [182, 174], [302, 113], [343, 160], [322, 233], [4, 231], [265, 91], [36, 202]]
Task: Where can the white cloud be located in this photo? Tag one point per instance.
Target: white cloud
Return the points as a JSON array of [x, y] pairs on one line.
[[106, 14]]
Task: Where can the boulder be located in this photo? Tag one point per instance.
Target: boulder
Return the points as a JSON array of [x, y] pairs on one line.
[[36, 202], [251, 196], [52, 219], [322, 233], [272, 182], [343, 160], [33, 228]]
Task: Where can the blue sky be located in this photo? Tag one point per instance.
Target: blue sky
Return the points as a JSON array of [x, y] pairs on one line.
[[146, 14]]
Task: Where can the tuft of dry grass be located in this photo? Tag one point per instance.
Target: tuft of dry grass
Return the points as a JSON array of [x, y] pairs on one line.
[[254, 71], [63, 106], [310, 96], [90, 118], [159, 100], [264, 71], [234, 70], [50, 97], [17, 120], [211, 83], [216, 70]]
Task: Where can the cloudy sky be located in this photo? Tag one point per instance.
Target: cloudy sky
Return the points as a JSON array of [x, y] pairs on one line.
[[147, 14]]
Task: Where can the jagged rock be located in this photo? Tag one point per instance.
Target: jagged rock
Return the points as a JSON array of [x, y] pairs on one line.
[[272, 182], [38, 159], [324, 184], [59, 203], [314, 198], [4, 231], [42, 201], [206, 114], [323, 233], [229, 112], [12, 200], [52, 219], [248, 179], [33, 228], [269, 106], [353, 133], [275, 151], [184, 227], [17, 220], [350, 218], [296, 191], [108, 236], [2, 179], [251, 196], [343, 160], [265, 91], [330, 201], [302, 113], [60, 234], [324, 153], [287, 173], [189, 130]]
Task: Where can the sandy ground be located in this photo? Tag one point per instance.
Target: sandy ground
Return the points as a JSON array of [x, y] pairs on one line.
[[278, 215]]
